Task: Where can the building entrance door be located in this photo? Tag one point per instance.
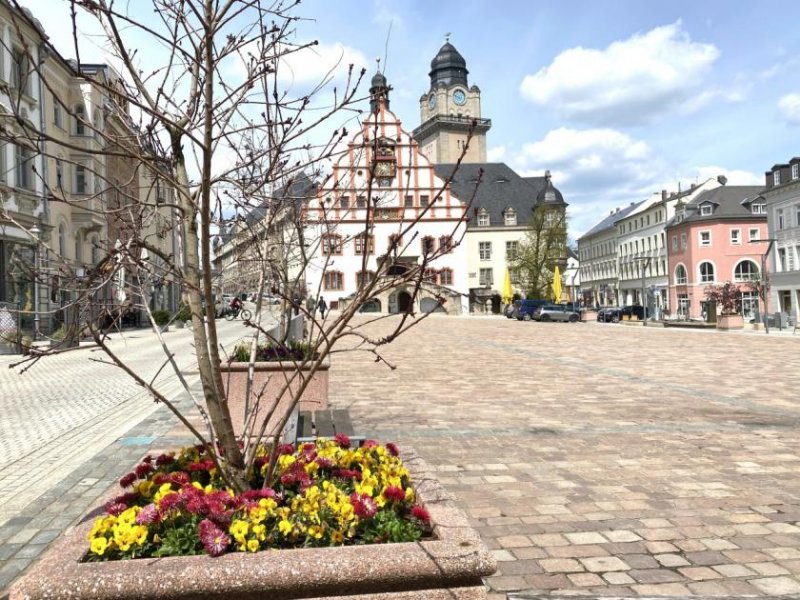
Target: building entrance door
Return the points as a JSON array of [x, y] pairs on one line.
[[403, 302]]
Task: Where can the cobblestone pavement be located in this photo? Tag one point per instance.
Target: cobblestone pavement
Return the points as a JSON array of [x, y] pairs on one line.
[[70, 427], [593, 459], [602, 459]]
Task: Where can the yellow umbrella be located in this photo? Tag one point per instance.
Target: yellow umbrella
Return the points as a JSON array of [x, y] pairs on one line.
[[508, 293], [557, 285]]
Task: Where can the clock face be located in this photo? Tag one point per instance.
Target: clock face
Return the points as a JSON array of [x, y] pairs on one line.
[[431, 101], [459, 97], [385, 168]]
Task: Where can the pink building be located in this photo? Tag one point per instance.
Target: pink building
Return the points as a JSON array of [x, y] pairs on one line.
[[714, 239]]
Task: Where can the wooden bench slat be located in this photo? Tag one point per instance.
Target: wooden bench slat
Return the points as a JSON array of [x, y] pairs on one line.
[[324, 424], [342, 422]]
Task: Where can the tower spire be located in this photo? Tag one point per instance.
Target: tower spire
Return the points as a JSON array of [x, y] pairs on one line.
[[379, 89]]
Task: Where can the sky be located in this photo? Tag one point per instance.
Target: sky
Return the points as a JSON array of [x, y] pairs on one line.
[[618, 99]]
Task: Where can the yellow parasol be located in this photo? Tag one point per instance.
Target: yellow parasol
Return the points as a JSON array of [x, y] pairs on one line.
[[508, 293], [557, 285]]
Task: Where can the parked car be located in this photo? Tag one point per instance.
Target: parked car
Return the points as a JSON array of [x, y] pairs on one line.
[[556, 312], [527, 308], [609, 314], [512, 309]]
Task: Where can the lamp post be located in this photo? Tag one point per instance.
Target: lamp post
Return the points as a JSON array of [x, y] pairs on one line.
[[765, 277], [35, 231], [646, 260]]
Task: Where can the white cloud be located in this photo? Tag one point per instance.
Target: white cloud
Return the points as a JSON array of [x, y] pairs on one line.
[[496, 154], [735, 176], [789, 105], [629, 82]]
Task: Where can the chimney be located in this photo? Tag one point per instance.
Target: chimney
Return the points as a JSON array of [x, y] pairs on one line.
[[722, 179], [663, 194], [691, 187]]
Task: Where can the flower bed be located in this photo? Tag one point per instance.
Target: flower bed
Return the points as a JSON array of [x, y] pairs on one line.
[[447, 565], [322, 494]]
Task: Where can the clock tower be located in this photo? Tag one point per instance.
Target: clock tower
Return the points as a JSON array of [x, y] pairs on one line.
[[447, 111]]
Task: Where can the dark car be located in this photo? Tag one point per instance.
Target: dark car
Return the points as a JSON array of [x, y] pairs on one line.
[[609, 314], [527, 308]]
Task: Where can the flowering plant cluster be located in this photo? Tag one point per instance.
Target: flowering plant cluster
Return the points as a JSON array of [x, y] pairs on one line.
[[321, 494], [293, 351]]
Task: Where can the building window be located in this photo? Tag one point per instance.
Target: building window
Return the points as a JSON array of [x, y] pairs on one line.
[[736, 237], [753, 235], [78, 248], [510, 217], [746, 270], [430, 275], [331, 244], [80, 179], [759, 208], [705, 238], [776, 178], [62, 240], [58, 116], [485, 250], [361, 242], [424, 200], [674, 243], [485, 277], [446, 277], [706, 210], [779, 218], [59, 174], [706, 272], [364, 278], [445, 243], [361, 202], [95, 250], [80, 120], [483, 218], [680, 275], [334, 280], [683, 241], [24, 168], [20, 72], [428, 245], [782, 265], [512, 250], [683, 305], [795, 171], [344, 202]]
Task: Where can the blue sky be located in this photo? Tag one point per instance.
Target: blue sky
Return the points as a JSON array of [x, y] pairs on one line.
[[618, 99]]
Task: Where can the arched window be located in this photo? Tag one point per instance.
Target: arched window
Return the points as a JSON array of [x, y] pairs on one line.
[[680, 275], [95, 250], [746, 270], [510, 217], [78, 247], [706, 272]]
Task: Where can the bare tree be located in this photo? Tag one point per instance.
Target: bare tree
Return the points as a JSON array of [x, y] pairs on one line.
[[543, 248], [223, 146]]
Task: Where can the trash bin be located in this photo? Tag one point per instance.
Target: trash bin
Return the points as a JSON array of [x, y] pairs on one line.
[[781, 320]]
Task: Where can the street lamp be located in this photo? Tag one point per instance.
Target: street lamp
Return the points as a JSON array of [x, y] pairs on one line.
[[646, 260], [35, 231], [765, 277]]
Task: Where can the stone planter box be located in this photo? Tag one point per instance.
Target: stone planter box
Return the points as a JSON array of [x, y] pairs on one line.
[[589, 315], [727, 322], [449, 566], [273, 375]]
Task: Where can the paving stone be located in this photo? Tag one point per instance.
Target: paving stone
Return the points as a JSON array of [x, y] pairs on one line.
[[776, 586], [718, 544], [503, 555], [549, 539], [707, 558], [660, 547], [561, 565], [576, 551], [589, 537], [618, 578], [699, 573], [733, 570], [671, 560], [528, 553], [768, 568], [513, 541], [585, 579], [603, 564], [520, 567], [655, 575], [662, 589], [640, 561], [545, 582], [621, 536], [708, 588]]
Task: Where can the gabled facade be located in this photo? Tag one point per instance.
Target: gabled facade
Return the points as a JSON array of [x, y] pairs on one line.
[[782, 196], [377, 188], [713, 239]]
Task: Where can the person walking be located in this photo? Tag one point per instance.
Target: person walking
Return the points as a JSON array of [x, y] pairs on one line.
[[311, 305], [322, 306]]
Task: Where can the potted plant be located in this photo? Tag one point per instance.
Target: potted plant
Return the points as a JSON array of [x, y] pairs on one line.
[[221, 156], [183, 316], [725, 297]]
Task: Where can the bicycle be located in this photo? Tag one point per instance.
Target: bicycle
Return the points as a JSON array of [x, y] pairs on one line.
[[233, 313]]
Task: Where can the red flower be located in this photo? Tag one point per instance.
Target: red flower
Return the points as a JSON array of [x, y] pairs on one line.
[[363, 505], [147, 459], [127, 480], [347, 474], [393, 449], [394, 493], [324, 463], [369, 444], [143, 469], [421, 514], [342, 440], [116, 508], [165, 459], [170, 501], [214, 540]]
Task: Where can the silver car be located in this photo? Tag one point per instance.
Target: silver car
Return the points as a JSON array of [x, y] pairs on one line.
[[555, 312]]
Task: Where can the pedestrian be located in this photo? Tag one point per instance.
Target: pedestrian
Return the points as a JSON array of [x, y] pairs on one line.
[[322, 306], [296, 303], [311, 305]]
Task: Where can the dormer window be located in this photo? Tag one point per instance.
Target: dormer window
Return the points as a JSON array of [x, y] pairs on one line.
[[706, 210], [483, 218], [796, 171], [776, 178], [510, 217], [759, 208]]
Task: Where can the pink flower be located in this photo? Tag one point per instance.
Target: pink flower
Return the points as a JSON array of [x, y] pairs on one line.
[[116, 508], [363, 505], [347, 474], [342, 440], [170, 501], [214, 540], [148, 514], [127, 480], [394, 493], [393, 449], [324, 463], [421, 514], [369, 444]]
